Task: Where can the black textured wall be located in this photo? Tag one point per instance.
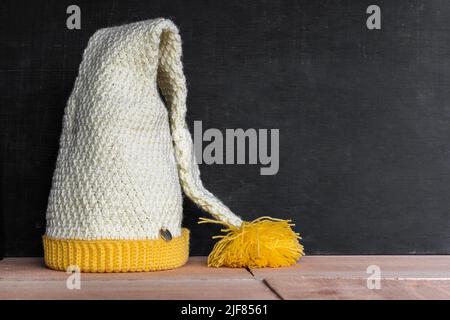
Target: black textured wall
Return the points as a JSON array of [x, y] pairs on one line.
[[364, 116]]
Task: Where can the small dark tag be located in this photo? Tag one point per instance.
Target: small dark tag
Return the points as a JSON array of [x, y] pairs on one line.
[[165, 234]]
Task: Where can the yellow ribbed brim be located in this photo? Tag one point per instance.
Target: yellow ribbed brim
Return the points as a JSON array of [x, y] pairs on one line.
[[116, 255]]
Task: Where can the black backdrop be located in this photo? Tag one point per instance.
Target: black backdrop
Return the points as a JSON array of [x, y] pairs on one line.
[[364, 116]]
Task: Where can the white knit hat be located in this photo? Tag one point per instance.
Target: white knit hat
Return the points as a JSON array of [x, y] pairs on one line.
[[116, 200]]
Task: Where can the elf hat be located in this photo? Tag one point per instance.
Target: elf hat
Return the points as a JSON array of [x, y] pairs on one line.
[[124, 158]]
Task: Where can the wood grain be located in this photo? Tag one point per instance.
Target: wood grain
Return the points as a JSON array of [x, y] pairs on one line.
[[351, 289], [195, 269], [230, 289], [315, 277], [391, 267]]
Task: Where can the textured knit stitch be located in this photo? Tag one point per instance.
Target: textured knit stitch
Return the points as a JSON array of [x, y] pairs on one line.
[[123, 151], [117, 255]]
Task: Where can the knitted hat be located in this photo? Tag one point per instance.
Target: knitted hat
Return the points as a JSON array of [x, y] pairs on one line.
[[125, 156]]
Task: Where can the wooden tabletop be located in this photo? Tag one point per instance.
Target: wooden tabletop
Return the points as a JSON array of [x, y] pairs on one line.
[[314, 277]]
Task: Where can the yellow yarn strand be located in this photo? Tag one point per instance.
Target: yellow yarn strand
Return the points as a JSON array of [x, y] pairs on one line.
[[263, 242]]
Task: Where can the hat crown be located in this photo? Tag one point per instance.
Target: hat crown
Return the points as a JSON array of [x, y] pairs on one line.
[[116, 174]]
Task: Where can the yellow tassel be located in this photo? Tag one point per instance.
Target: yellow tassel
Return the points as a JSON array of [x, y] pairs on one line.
[[264, 242]]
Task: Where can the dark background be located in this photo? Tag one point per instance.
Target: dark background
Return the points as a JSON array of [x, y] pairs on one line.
[[364, 116]]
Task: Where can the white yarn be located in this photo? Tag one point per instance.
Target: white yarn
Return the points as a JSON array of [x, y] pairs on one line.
[[123, 152]]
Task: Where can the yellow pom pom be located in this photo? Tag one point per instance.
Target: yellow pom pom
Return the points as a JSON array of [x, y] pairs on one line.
[[264, 242]]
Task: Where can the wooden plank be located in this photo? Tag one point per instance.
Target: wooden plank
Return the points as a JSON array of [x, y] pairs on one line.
[[315, 277], [195, 268], [334, 289], [28, 278], [241, 289], [391, 267]]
